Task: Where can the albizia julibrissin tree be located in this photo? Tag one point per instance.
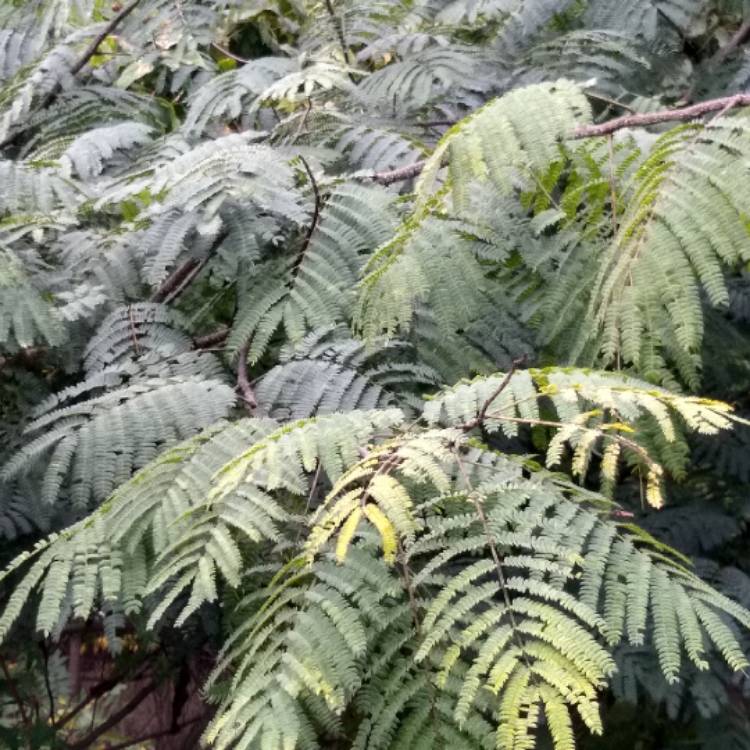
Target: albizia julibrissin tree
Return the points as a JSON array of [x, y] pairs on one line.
[[353, 346]]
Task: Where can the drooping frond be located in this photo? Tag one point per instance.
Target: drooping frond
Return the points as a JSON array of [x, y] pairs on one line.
[[234, 93], [495, 146], [680, 215], [512, 138], [241, 501], [133, 330], [314, 289], [328, 373], [90, 447], [587, 411], [26, 317]]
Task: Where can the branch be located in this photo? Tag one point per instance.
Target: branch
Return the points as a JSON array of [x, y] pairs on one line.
[[87, 741], [80, 63], [247, 394], [315, 218], [666, 115], [338, 26], [402, 173], [176, 280], [94, 692], [737, 39], [47, 683], [157, 735], [606, 128], [478, 421], [181, 278], [227, 53], [210, 340], [99, 38], [14, 692]]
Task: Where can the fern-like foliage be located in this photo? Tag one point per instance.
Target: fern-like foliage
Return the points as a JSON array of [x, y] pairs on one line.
[[295, 305], [488, 578], [663, 228], [327, 373], [312, 286]]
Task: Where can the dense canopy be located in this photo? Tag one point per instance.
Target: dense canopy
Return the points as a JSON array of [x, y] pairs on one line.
[[374, 373]]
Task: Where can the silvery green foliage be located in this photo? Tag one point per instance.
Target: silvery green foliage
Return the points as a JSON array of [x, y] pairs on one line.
[[298, 303]]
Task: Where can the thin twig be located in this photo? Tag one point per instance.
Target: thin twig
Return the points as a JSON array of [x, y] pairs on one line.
[[612, 183], [247, 394], [473, 499], [211, 340], [436, 123], [133, 331], [99, 38], [313, 487], [315, 218], [47, 683], [478, 421], [409, 586], [607, 100], [228, 53], [402, 173]]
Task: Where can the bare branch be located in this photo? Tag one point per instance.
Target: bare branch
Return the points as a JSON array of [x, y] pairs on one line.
[[247, 394], [738, 38], [175, 280], [692, 112], [101, 36], [14, 692], [88, 740], [666, 115], [402, 173], [339, 27], [315, 218], [478, 421], [229, 53], [209, 340]]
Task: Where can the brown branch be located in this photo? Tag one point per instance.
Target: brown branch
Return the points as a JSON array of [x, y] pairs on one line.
[[99, 38], [81, 62], [181, 278], [402, 173], [47, 683], [94, 692], [88, 54], [228, 53], [339, 27], [315, 218], [209, 340], [175, 280], [666, 115], [247, 394], [87, 741], [478, 421], [157, 735], [14, 692], [692, 112], [738, 38]]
